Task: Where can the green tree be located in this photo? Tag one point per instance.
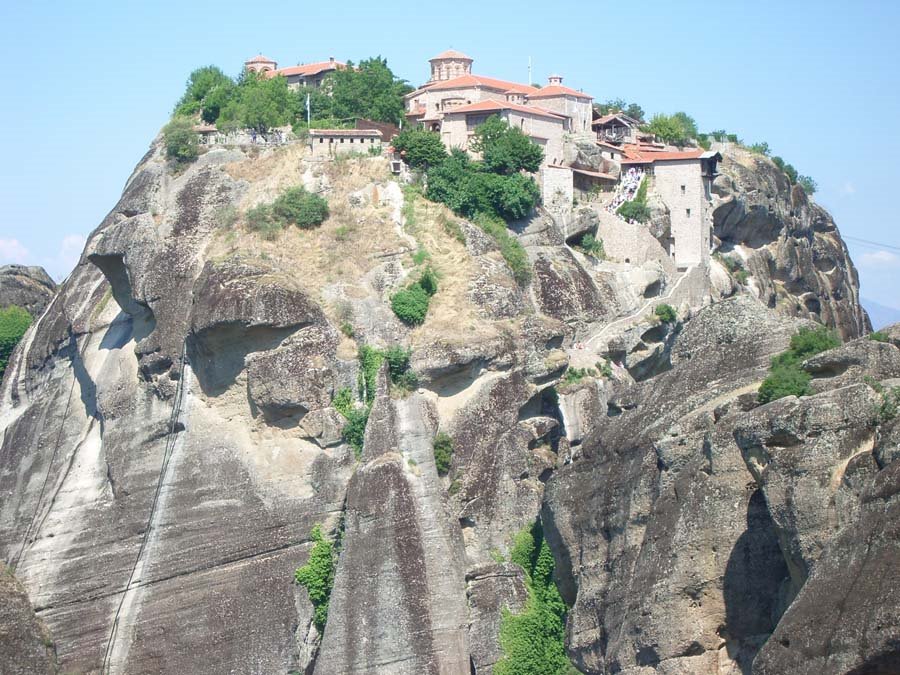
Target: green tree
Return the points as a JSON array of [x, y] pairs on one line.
[[300, 207], [410, 304], [505, 149], [635, 112], [676, 129], [317, 575], [207, 89], [180, 140], [443, 452], [369, 90], [260, 103], [14, 321], [808, 184], [421, 149]]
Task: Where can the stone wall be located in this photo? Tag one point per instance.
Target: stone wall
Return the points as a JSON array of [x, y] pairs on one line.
[[556, 187], [680, 185], [328, 146]]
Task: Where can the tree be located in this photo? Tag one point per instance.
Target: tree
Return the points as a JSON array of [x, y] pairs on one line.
[[14, 321], [260, 103], [808, 184], [180, 140], [421, 149], [299, 206], [505, 149], [369, 90], [206, 90], [676, 129], [635, 112]]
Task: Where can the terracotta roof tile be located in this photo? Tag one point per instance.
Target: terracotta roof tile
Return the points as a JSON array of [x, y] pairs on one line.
[[645, 156], [260, 59], [464, 81], [451, 54], [308, 69], [491, 106], [554, 90]]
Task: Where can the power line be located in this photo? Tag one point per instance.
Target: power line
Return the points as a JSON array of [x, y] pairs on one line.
[[868, 242]]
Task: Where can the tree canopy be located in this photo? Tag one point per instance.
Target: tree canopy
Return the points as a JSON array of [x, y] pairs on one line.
[[420, 148], [677, 129], [505, 149], [633, 110]]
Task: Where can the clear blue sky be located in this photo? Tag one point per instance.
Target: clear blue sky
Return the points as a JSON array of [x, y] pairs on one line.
[[88, 85]]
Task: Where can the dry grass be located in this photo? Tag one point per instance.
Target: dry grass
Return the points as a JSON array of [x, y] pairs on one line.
[[354, 239]]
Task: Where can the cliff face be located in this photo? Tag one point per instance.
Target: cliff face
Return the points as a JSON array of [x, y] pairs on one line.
[[790, 245], [170, 442], [28, 287]]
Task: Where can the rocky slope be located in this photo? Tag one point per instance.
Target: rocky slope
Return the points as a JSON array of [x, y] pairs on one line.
[[27, 287], [170, 441]]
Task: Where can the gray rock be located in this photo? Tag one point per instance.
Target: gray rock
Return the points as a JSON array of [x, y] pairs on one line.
[[26, 647], [28, 287]]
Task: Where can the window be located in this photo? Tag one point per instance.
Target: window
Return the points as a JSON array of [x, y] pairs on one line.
[[321, 140], [688, 213], [342, 140], [351, 140], [682, 189]]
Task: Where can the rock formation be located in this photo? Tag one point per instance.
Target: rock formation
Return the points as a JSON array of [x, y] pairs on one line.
[[28, 287], [171, 438]]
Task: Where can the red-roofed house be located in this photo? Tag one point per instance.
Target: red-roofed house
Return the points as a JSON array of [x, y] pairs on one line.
[[454, 101], [308, 74]]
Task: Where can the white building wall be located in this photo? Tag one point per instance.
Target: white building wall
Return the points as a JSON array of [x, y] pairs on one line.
[[330, 146], [557, 193], [546, 132], [680, 185], [578, 109]]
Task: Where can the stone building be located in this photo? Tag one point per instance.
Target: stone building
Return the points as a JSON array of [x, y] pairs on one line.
[[303, 75], [331, 142], [455, 100], [683, 180], [616, 127]]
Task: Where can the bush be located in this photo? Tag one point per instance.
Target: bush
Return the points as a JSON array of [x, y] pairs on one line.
[[261, 220], [180, 140], [410, 304], [879, 336], [576, 375], [533, 641], [505, 149], [666, 313], [419, 148], [786, 377], [443, 452], [428, 281], [354, 431], [14, 321], [398, 362], [370, 360], [512, 251], [593, 246], [317, 575], [676, 129], [808, 184], [300, 207], [634, 210], [343, 401]]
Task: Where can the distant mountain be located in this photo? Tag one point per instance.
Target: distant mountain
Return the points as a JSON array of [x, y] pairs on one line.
[[881, 315]]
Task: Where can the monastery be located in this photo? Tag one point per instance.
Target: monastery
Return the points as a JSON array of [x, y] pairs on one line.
[[584, 152]]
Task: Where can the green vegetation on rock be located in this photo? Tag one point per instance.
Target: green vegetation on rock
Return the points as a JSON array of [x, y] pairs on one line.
[[180, 141], [317, 576], [637, 208], [411, 304], [14, 321], [592, 246], [665, 313], [677, 129], [294, 206], [419, 148], [443, 452], [533, 641], [786, 377]]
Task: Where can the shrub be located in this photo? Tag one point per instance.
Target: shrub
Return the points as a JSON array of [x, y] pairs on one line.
[[808, 184], [227, 216], [300, 207], [14, 321], [512, 251], [317, 575], [347, 329], [370, 360], [421, 149], [410, 304], [180, 140], [676, 129], [576, 375], [343, 401], [420, 256], [533, 641], [428, 281], [593, 246], [637, 208], [354, 431], [786, 377], [443, 452], [879, 336], [398, 362], [759, 148], [605, 368], [665, 313], [261, 220]]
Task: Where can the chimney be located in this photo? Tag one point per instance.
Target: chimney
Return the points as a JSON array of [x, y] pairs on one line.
[[554, 79], [331, 59]]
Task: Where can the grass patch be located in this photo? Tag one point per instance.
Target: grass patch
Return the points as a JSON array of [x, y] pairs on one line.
[[533, 641], [786, 377], [317, 576], [879, 336]]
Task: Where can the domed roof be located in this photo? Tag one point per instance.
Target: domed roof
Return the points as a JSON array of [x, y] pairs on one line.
[[260, 59], [451, 54]]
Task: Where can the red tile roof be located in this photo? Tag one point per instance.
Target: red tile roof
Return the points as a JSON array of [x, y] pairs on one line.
[[554, 90], [260, 59], [308, 69], [451, 54], [464, 81], [492, 106], [645, 156]]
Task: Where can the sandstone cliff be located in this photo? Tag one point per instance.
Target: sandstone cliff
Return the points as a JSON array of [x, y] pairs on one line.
[[28, 287], [170, 440]]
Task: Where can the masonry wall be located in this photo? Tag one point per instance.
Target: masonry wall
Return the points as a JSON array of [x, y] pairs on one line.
[[556, 188], [579, 109], [680, 185], [328, 146], [546, 132]]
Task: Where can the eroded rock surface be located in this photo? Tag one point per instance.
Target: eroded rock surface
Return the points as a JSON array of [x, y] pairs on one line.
[[28, 287]]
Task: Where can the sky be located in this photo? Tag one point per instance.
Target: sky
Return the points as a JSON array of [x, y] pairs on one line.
[[89, 85]]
